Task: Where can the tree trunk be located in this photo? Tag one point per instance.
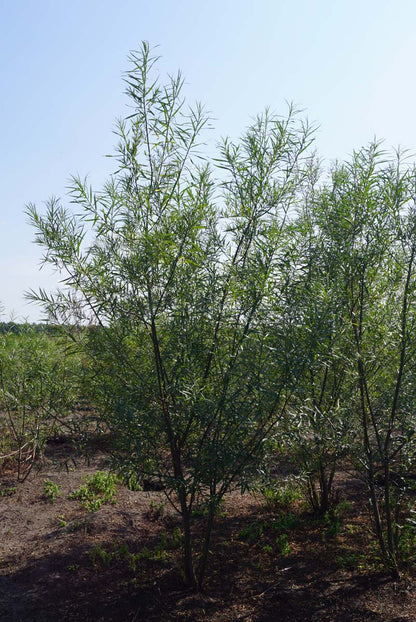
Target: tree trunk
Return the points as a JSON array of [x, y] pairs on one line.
[[205, 549], [188, 564]]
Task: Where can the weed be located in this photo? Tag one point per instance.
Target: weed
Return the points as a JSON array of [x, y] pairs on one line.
[[333, 525], [98, 555], [201, 511], [252, 532], [407, 538], [156, 510], [61, 520], [50, 490], [280, 496], [133, 561], [282, 542], [73, 567], [285, 522], [130, 480], [407, 542], [176, 538], [159, 554], [333, 519], [133, 483], [8, 492], [343, 507], [98, 489], [76, 525], [255, 531], [349, 561], [163, 541], [351, 529], [123, 551]]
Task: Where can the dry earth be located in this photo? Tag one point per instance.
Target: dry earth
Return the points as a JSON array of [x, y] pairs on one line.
[[60, 563]]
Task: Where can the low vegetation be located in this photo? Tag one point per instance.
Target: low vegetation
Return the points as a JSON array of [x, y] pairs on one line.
[[98, 489]]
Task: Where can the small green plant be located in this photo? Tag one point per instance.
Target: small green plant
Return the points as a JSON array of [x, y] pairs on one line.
[[51, 491], [98, 489], [159, 554], [351, 529], [280, 496], [98, 555], [133, 562], [333, 525], [135, 558], [282, 542], [156, 510], [255, 531], [333, 519], [176, 538], [199, 511], [8, 492], [73, 567], [407, 541], [61, 520], [350, 561], [129, 479], [75, 526], [285, 522], [163, 543], [123, 551], [132, 482], [202, 511], [252, 532]]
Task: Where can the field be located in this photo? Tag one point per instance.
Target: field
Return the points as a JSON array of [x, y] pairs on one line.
[[59, 561]]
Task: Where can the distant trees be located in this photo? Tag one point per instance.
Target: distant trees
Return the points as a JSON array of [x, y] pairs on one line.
[[18, 328], [233, 300], [39, 391]]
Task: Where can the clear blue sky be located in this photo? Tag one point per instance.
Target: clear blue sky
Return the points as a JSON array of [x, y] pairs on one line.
[[349, 63]]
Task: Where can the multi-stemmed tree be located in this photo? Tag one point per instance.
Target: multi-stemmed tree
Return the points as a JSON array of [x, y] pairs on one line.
[[367, 222], [176, 274], [219, 299]]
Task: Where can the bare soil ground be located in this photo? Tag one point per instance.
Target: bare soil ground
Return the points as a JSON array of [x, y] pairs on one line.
[[60, 563]]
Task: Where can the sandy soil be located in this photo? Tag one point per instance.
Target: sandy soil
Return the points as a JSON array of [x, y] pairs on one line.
[[50, 569]]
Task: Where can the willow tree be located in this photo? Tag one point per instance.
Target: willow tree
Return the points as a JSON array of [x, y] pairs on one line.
[[367, 221], [176, 272], [317, 427]]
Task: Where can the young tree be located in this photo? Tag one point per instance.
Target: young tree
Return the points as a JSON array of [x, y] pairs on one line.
[[367, 220], [178, 287], [317, 426]]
